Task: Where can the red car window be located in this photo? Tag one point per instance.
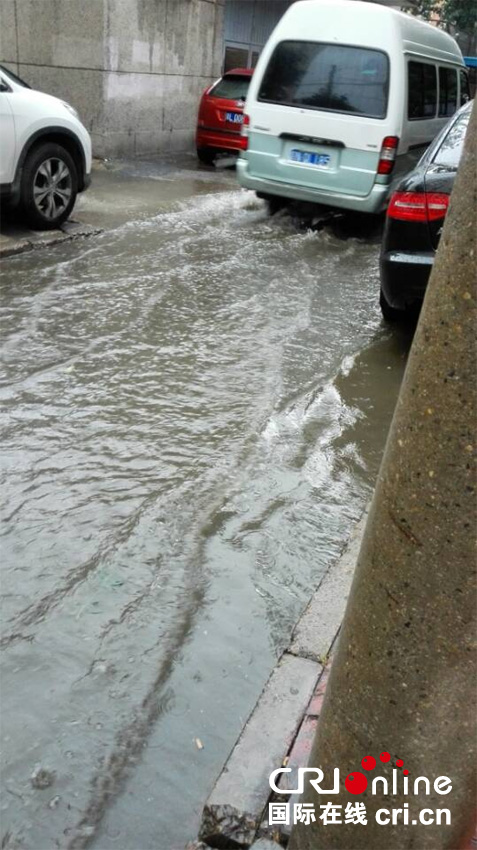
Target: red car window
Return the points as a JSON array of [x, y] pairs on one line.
[[231, 87]]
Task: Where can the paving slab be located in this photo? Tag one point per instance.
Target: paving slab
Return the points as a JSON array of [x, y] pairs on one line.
[[317, 628], [235, 807]]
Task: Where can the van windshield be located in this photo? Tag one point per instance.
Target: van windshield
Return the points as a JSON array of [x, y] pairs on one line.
[[331, 77]]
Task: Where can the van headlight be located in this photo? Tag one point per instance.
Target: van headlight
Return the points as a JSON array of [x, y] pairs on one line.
[[70, 109]]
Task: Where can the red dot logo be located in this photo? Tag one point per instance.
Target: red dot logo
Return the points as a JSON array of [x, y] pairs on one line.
[[406, 772], [356, 782], [399, 762], [385, 757], [369, 763]]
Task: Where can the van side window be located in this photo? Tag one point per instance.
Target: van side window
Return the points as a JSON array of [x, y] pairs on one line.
[[331, 77], [447, 91], [422, 90], [464, 87]]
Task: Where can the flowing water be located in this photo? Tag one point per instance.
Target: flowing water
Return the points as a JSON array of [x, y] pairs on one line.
[[194, 410]]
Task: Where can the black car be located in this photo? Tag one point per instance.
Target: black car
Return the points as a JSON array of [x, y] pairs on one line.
[[415, 217]]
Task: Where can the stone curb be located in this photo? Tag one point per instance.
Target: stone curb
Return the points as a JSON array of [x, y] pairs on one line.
[[316, 629], [11, 246], [281, 727], [236, 804]]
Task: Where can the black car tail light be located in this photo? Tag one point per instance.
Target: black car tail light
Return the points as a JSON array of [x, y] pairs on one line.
[[418, 206], [387, 157], [437, 204]]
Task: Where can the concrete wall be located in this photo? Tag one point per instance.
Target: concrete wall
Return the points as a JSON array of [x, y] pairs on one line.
[[134, 69]]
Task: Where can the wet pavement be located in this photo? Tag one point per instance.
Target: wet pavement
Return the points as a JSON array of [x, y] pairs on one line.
[[195, 407]]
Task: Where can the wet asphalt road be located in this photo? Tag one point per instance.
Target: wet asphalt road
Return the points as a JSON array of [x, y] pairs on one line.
[[195, 406]]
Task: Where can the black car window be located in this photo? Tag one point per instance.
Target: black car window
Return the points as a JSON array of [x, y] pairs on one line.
[[464, 87], [422, 90], [331, 77], [447, 91], [231, 87], [449, 151]]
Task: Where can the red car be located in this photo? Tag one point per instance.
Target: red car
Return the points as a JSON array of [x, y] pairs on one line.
[[221, 115]]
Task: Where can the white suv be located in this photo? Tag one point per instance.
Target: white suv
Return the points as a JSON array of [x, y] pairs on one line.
[[45, 152]]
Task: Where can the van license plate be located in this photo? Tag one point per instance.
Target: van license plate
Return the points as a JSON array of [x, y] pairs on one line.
[[234, 117], [309, 158]]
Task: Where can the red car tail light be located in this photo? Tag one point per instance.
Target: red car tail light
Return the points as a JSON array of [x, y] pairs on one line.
[[244, 131], [418, 206], [387, 157]]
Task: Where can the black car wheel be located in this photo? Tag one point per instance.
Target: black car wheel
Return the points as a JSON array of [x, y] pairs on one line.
[[49, 186], [206, 156]]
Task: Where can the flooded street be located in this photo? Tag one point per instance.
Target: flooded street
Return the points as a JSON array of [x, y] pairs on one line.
[[195, 405]]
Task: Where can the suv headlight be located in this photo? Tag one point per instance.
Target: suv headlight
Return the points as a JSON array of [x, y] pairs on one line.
[[70, 109]]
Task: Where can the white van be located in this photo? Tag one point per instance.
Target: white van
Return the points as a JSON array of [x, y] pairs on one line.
[[345, 98]]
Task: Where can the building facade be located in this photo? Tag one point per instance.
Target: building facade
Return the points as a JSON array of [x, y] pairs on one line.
[[134, 69], [247, 25]]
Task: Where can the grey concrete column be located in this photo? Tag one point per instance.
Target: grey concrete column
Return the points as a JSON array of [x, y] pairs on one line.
[[404, 677]]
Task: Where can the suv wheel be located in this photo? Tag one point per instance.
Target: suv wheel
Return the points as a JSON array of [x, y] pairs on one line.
[[49, 186]]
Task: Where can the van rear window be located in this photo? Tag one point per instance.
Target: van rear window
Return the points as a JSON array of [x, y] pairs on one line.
[[331, 77]]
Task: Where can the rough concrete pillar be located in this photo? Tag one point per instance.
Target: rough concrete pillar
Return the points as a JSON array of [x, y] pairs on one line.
[[404, 677]]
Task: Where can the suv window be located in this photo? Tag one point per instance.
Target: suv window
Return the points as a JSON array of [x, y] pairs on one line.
[[232, 87], [331, 77], [450, 151], [422, 90], [447, 91]]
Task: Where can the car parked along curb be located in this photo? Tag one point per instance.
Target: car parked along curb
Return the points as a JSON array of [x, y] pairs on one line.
[[415, 218], [45, 153]]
